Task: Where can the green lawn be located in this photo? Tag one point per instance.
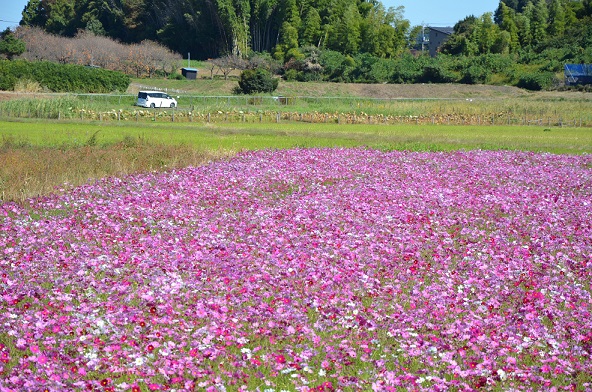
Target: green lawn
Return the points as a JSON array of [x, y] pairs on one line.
[[237, 136]]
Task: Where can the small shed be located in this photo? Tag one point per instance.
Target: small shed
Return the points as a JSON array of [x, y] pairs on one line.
[[189, 73]]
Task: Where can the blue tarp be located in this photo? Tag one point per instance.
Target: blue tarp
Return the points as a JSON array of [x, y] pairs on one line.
[[578, 74]]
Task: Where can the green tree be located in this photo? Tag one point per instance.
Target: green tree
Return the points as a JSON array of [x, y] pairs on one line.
[[235, 17], [288, 43], [34, 14], [465, 40], [524, 30], [311, 32], [96, 27], [61, 17], [265, 24], [507, 22], [539, 15], [258, 80], [346, 34], [10, 46], [556, 18], [487, 33]]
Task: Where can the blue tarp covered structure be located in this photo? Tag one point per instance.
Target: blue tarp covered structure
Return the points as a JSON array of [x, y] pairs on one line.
[[578, 74]]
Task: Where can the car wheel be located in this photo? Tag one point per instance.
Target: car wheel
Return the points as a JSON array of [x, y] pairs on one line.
[[152, 105], [172, 105]]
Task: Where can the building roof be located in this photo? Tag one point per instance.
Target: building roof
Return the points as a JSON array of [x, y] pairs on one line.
[[444, 30]]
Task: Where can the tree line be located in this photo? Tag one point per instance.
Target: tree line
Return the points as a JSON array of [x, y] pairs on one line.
[[518, 24], [524, 43], [143, 59], [211, 28]]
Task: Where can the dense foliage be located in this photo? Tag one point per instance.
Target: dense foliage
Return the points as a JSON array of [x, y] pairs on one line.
[[211, 28], [61, 77], [10, 46], [556, 29], [256, 81], [342, 40]]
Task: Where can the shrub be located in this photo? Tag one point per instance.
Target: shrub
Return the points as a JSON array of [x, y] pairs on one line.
[[536, 81], [408, 69], [290, 75], [62, 77], [10, 46], [336, 65], [436, 73], [256, 81], [475, 74], [28, 86]]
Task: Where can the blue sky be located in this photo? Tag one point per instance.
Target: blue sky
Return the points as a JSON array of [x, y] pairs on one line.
[[439, 13]]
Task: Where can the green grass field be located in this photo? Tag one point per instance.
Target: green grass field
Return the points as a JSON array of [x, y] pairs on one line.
[[37, 156], [238, 136]]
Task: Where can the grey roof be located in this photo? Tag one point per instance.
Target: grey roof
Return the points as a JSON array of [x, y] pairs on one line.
[[445, 30]]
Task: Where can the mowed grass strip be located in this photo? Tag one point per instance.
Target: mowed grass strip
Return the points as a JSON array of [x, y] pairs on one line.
[[38, 158]]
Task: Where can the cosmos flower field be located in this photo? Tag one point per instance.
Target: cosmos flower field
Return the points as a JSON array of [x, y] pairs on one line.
[[306, 269]]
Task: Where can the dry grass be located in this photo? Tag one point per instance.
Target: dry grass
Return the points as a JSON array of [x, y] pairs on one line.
[[27, 171]]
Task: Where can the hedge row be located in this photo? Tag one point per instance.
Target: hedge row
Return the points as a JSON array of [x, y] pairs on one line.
[[61, 77]]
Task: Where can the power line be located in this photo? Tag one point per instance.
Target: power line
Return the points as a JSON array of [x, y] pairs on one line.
[[8, 21]]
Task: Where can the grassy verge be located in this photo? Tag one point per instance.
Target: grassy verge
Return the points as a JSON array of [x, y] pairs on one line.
[[36, 157]]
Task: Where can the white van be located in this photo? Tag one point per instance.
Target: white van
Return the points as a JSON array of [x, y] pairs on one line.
[[155, 99]]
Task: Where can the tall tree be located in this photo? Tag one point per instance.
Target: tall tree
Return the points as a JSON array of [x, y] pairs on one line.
[[311, 33], [234, 16], [265, 24], [538, 20], [487, 33], [556, 18], [524, 25], [507, 22], [61, 17], [34, 14], [10, 46], [346, 35]]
